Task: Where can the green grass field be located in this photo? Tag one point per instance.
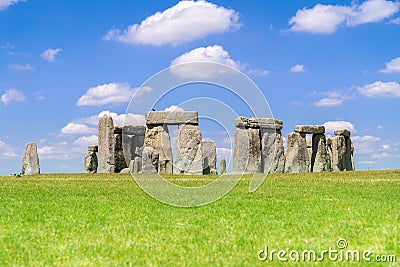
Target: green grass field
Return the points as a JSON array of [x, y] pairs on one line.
[[107, 220]]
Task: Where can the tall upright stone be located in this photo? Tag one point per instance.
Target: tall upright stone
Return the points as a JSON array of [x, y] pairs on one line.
[[247, 150], [296, 160], [272, 150], [338, 150], [119, 158], [209, 153], [188, 149], [222, 166], [158, 138], [347, 161], [106, 144], [150, 160], [30, 162], [320, 160], [91, 162]]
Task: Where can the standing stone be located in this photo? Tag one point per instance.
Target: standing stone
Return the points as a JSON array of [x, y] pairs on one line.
[[272, 151], [320, 160], [119, 158], [164, 167], [222, 166], [30, 162], [197, 165], [91, 161], [135, 166], [310, 153], [106, 142], [209, 152], [297, 154], [150, 160], [247, 150], [188, 151], [338, 148], [157, 137]]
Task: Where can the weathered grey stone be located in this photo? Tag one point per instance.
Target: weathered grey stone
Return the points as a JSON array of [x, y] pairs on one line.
[[165, 167], [309, 129], [117, 129], [296, 159], [343, 132], [175, 117], [135, 165], [30, 162], [188, 141], [213, 172], [272, 151], [132, 166], [125, 170], [320, 160], [209, 152], [106, 145], [91, 162], [157, 137], [197, 165], [337, 147], [138, 130], [119, 157], [93, 148], [348, 162], [257, 123], [222, 166], [150, 160], [247, 150], [133, 146]]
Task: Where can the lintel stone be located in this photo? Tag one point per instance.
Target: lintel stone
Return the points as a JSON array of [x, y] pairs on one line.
[[343, 132], [309, 129], [172, 118], [257, 123]]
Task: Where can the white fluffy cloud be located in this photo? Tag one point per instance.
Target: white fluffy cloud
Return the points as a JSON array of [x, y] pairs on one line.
[[331, 126], [366, 145], [258, 72], [110, 93], [50, 54], [184, 22], [214, 53], [332, 99], [327, 18], [77, 128], [392, 66], [297, 68], [21, 67], [380, 89], [174, 108], [6, 151], [6, 3], [85, 141], [12, 95]]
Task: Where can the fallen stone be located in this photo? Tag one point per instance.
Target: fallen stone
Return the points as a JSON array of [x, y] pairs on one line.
[[296, 160], [150, 160], [174, 118], [30, 162], [125, 170], [309, 129]]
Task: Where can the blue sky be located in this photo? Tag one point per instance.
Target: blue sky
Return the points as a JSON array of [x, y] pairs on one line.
[[62, 63]]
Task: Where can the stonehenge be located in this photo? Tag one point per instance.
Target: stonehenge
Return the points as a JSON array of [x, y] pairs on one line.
[[30, 162], [258, 147]]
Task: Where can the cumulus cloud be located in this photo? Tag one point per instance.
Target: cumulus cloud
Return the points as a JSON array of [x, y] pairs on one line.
[[297, 68], [6, 151], [77, 128], [380, 89], [366, 145], [21, 67], [174, 108], [85, 141], [325, 19], [332, 99], [6, 3], [214, 53], [50, 54], [331, 126], [392, 66], [118, 119], [110, 93], [12, 95], [381, 155], [184, 22], [258, 72]]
